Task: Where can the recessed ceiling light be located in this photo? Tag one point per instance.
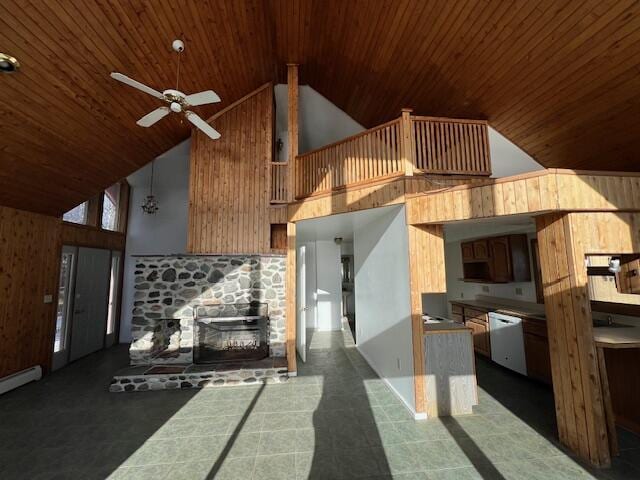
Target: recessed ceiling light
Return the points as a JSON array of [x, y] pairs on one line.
[[8, 64]]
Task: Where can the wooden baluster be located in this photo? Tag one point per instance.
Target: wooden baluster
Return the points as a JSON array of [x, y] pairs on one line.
[[407, 153], [486, 166]]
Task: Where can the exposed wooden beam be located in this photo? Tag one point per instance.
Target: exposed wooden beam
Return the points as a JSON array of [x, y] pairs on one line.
[[291, 297], [292, 126]]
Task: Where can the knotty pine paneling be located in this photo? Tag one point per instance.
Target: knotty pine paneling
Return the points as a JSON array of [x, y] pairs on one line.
[[229, 189], [29, 266], [512, 63], [536, 192]]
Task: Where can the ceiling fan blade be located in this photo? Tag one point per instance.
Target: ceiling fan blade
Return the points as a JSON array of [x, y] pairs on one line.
[[202, 125], [202, 98], [135, 84], [152, 117]]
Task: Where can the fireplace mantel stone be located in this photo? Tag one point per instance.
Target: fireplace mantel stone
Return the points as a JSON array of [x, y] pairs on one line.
[[171, 287]]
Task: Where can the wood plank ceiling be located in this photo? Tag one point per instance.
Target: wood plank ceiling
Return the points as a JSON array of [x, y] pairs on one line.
[[559, 78]]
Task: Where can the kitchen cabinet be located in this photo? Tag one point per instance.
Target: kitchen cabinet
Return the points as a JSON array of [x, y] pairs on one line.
[[480, 250], [481, 342], [499, 259], [500, 264], [467, 251], [478, 322], [536, 342], [536, 349]]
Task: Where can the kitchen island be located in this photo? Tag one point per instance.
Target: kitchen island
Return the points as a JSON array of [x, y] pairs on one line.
[[450, 376]]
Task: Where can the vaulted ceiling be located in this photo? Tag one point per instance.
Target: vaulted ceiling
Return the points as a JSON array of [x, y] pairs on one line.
[[559, 78]]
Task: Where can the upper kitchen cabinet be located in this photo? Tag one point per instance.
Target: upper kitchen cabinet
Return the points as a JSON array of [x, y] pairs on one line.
[[496, 259]]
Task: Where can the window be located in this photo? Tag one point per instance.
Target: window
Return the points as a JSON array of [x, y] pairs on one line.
[[110, 207], [77, 214]]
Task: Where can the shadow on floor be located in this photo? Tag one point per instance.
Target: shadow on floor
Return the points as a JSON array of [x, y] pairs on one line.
[[337, 419]]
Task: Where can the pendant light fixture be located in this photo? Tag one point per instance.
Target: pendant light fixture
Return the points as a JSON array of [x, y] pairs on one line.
[[150, 205]]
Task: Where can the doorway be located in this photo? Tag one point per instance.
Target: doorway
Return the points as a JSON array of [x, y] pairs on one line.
[[87, 315]]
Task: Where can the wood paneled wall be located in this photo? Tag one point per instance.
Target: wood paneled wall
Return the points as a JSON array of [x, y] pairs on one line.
[[564, 240], [29, 265], [229, 179], [536, 192], [426, 275]]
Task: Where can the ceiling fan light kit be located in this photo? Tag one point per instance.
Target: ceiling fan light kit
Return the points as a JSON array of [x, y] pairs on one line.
[[178, 101], [8, 64]]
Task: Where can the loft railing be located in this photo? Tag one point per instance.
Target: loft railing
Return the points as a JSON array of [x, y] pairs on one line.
[[370, 154], [451, 146], [403, 146], [279, 172]]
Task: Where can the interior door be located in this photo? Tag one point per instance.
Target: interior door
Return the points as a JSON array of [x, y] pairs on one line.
[[301, 303], [90, 303], [64, 308]]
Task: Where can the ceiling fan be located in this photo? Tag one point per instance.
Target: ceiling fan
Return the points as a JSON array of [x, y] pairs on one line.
[[177, 101]]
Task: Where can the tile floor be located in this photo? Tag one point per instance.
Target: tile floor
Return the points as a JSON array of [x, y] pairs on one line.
[[336, 420]]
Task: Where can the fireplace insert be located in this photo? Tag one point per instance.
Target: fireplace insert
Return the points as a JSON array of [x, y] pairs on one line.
[[231, 333]]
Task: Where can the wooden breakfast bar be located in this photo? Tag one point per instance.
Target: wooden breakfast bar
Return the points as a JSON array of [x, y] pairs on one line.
[[609, 341]]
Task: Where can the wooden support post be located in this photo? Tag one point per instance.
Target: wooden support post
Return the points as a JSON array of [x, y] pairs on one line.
[[291, 297], [292, 121], [407, 141], [94, 210], [426, 275], [574, 364]]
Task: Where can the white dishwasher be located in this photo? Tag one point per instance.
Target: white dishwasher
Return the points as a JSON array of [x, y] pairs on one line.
[[507, 342]]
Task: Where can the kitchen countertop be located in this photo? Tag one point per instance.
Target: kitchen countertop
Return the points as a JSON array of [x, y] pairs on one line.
[[617, 337], [443, 327], [506, 309], [605, 337]]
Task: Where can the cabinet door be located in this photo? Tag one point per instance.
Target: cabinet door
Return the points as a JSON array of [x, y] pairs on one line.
[[467, 251], [536, 350], [500, 264], [480, 250], [480, 338]]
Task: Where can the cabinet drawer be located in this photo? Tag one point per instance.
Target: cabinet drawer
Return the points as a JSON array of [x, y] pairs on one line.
[[477, 315], [456, 309]]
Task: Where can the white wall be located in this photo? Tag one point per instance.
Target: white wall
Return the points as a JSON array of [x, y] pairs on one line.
[[310, 284], [321, 122], [162, 233], [329, 286], [507, 158], [383, 324]]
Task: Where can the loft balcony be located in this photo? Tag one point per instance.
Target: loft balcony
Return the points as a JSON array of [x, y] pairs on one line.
[[409, 145]]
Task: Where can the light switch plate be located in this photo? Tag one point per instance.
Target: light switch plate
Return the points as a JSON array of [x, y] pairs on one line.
[[48, 299]]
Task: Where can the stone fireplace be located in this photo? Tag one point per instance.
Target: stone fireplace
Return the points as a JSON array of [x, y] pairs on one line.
[[231, 332], [184, 304]]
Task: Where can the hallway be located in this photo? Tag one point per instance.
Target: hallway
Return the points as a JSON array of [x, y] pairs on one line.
[[337, 419]]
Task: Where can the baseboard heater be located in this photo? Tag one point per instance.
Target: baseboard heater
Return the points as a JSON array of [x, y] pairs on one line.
[[20, 378]]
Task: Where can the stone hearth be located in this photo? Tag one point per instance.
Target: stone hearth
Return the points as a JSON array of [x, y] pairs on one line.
[[170, 288], [174, 377]]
